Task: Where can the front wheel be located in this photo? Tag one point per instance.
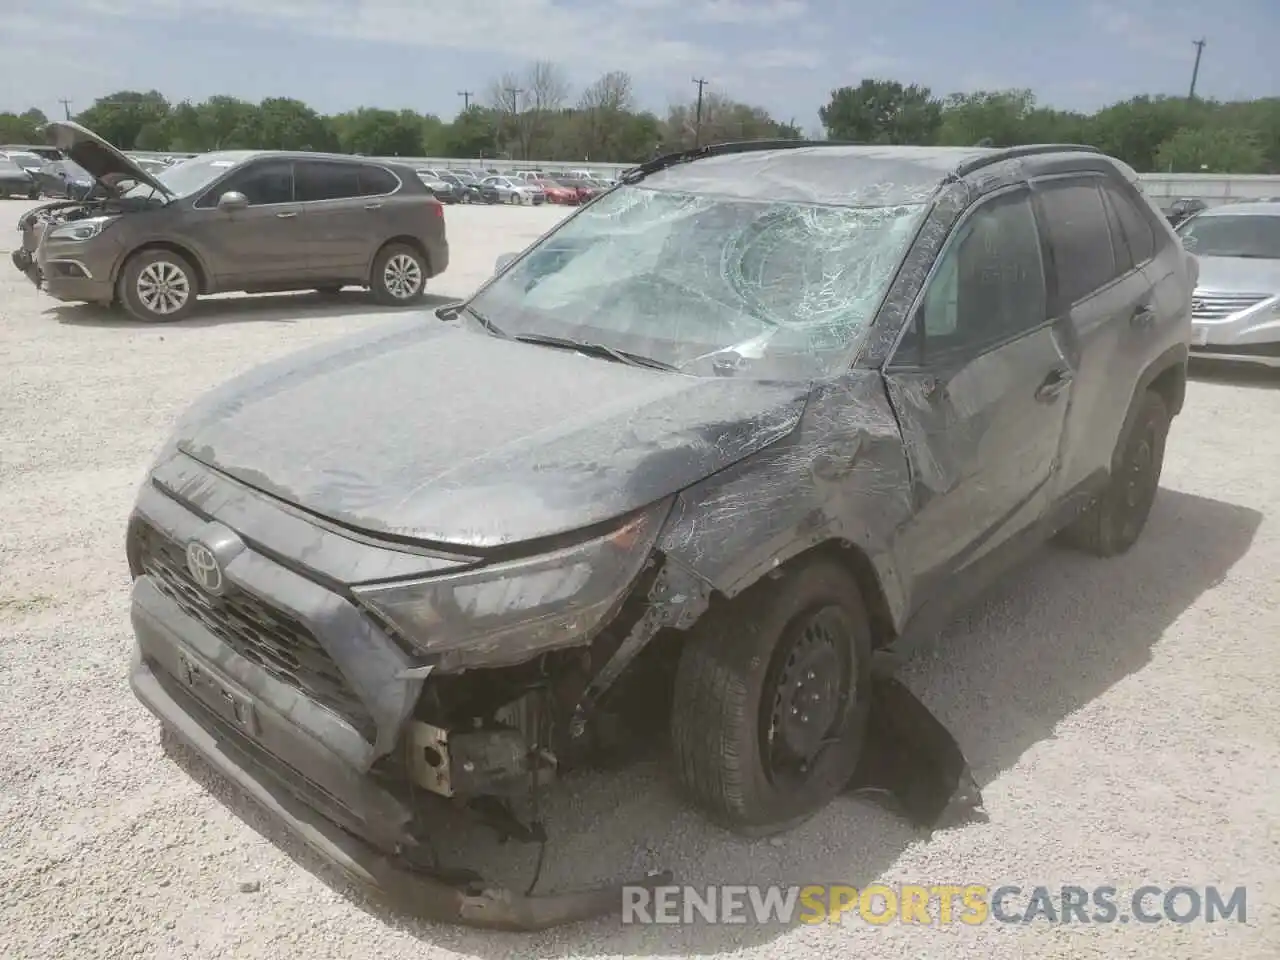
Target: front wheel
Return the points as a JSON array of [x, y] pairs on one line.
[[771, 700], [399, 275], [1115, 521], [158, 286]]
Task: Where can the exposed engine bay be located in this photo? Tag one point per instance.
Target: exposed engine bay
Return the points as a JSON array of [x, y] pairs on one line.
[[102, 201]]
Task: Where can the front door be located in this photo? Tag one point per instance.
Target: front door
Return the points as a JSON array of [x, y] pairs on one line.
[[980, 386], [262, 244]]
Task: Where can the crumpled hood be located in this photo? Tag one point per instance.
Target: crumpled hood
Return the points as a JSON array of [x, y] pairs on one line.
[[428, 430], [1239, 275], [99, 158]]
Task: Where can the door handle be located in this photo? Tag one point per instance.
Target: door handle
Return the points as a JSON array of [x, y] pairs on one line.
[[1143, 317], [287, 214], [1057, 381], [373, 206]]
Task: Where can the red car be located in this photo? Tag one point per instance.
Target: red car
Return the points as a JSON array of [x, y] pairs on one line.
[[557, 192], [585, 189]]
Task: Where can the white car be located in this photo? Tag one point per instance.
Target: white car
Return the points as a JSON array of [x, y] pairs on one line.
[[514, 190]]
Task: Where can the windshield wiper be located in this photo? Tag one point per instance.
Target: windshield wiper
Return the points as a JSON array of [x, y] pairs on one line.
[[597, 350]]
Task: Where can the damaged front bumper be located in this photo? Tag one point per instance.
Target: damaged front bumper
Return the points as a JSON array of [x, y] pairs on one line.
[[362, 833], [268, 783], [26, 263]]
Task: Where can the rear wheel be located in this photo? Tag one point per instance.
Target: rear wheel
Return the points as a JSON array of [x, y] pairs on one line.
[[771, 700], [158, 286], [399, 275], [1115, 521]]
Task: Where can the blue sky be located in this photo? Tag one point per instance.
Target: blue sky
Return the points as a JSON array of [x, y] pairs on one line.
[[786, 55]]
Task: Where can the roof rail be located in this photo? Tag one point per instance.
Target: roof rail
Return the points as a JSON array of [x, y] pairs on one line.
[[638, 173], [1012, 153]]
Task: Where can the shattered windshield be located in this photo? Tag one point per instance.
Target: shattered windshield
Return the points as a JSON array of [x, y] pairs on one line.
[[691, 279], [1243, 235]]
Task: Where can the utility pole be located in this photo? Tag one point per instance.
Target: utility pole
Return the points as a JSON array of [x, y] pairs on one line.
[[697, 118], [66, 108], [1195, 71], [466, 96]]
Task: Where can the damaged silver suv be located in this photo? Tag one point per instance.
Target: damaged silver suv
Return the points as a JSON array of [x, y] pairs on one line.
[[755, 420]]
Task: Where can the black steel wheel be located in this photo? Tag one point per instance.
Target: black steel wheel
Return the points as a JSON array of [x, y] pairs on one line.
[[1116, 520], [771, 699]]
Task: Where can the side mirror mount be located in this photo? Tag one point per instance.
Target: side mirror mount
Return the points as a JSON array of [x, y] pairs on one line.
[[503, 262], [232, 200]]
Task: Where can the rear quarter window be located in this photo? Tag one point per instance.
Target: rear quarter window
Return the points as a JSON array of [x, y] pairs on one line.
[[1080, 237], [376, 181]]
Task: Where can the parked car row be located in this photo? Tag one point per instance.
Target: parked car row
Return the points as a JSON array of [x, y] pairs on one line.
[[530, 188]]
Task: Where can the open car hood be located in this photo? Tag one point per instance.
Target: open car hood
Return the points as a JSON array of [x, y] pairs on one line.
[[95, 155]]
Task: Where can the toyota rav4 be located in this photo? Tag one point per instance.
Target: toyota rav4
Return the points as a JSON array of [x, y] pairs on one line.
[[759, 416]]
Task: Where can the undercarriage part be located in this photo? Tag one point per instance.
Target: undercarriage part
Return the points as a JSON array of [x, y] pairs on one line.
[[481, 762], [912, 758]]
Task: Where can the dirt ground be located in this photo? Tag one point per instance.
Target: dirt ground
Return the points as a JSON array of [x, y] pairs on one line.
[[1121, 716]]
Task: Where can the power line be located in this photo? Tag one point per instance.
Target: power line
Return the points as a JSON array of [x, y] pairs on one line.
[[697, 120], [515, 97], [466, 96], [1195, 71]]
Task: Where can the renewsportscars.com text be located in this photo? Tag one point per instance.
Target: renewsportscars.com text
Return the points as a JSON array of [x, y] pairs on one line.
[[935, 904]]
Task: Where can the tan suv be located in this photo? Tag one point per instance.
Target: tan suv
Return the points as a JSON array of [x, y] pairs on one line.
[[252, 221]]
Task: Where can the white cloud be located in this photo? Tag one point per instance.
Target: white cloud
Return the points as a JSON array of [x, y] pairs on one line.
[[747, 12], [640, 36]]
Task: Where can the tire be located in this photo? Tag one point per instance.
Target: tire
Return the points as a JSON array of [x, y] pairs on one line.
[[148, 270], [726, 690], [1113, 523], [399, 276]]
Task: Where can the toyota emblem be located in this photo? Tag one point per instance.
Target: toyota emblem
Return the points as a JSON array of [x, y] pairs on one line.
[[204, 567]]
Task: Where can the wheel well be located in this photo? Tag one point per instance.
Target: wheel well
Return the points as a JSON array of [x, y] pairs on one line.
[[408, 241], [854, 559], [1171, 385], [202, 280]]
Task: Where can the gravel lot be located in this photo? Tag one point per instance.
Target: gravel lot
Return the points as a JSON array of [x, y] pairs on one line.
[[1121, 716]]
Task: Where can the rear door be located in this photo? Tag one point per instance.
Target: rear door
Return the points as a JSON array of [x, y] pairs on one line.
[[1104, 298], [262, 244], [980, 384], [342, 203]]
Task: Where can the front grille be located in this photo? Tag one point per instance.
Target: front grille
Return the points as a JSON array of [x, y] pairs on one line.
[[270, 638], [1219, 306]]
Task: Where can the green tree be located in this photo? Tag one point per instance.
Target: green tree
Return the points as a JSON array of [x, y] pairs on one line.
[[1133, 130], [997, 116], [120, 117], [286, 124], [380, 133], [882, 111], [473, 133], [22, 128], [1209, 150]]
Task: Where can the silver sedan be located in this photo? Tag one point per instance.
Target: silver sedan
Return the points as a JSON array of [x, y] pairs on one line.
[[1235, 310]]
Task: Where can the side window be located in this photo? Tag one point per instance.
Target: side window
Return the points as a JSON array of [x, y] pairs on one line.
[[1077, 225], [377, 181], [1119, 244], [1134, 224], [270, 181], [326, 180], [987, 288]]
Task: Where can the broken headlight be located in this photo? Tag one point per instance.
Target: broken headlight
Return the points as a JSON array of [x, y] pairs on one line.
[[509, 612]]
